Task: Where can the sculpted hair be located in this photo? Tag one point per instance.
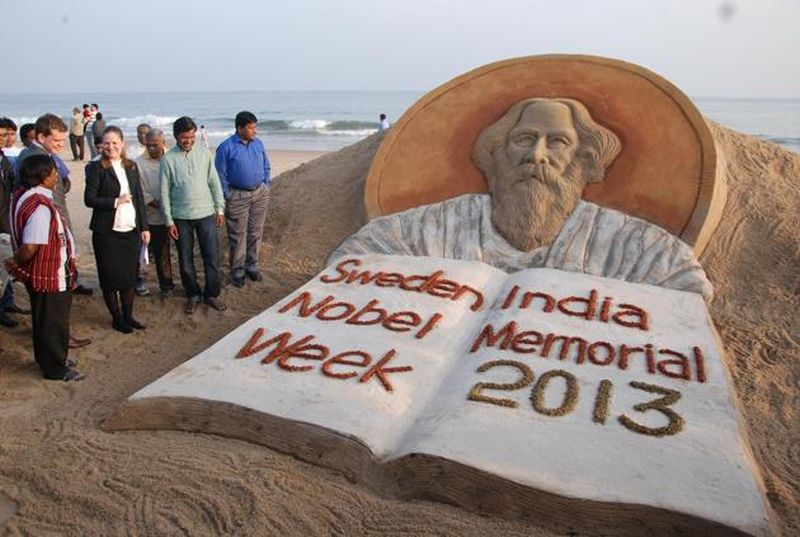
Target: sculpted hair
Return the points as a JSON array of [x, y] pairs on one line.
[[35, 169], [183, 124], [46, 124], [245, 118], [105, 162], [598, 145]]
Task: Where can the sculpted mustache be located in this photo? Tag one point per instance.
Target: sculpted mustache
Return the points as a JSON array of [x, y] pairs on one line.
[[539, 171]]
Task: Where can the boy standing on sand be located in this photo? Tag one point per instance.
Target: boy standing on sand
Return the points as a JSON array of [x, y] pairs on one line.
[[43, 260]]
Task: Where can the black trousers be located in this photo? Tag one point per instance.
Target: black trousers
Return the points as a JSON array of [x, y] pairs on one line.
[[50, 312], [76, 145]]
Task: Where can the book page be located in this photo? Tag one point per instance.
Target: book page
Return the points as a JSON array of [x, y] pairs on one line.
[[360, 349], [598, 389]]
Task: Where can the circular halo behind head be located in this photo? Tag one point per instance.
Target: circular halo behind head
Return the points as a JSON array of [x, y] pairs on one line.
[[666, 172]]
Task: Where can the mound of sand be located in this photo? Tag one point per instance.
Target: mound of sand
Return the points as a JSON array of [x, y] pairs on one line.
[[67, 475]]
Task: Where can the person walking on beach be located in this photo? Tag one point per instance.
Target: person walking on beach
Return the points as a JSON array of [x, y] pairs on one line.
[[149, 164], [384, 123], [244, 173], [204, 137], [193, 204], [43, 261], [76, 134]]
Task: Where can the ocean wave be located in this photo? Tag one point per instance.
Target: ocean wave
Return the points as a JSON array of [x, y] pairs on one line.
[[151, 119], [360, 132], [782, 140], [317, 127], [21, 120], [309, 124]]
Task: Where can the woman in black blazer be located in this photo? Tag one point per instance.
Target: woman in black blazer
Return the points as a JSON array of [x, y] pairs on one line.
[[119, 222]]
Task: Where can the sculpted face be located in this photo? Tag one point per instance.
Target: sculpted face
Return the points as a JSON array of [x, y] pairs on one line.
[[537, 180], [544, 135]]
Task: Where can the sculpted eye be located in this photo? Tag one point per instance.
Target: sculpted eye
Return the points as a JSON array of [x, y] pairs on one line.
[[559, 143], [524, 140]]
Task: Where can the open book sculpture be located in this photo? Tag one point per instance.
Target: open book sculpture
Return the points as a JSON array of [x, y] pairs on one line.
[[552, 361]]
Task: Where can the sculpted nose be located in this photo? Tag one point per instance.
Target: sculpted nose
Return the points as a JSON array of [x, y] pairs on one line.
[[539, 151]]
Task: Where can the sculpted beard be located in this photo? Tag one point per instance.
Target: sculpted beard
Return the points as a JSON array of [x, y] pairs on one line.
[[531, 202]]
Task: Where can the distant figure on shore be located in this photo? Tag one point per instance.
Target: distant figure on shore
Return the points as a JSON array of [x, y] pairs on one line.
[[90, 137], [77, 127], [204, 137], [149, 164], [27, 134], [119, 222], [244, 173], [43, 260], [193, 204], [384, 123]]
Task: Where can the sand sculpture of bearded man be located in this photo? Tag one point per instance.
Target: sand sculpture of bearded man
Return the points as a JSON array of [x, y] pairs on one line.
[[536, 160]]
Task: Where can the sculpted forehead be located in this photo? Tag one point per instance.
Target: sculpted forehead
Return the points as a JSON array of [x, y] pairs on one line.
[[546, 118]]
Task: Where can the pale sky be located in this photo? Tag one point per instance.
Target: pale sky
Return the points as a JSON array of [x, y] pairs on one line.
[[708, 48]]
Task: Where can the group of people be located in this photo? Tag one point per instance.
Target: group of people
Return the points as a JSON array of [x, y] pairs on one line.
[[183, 194], [86, 124]]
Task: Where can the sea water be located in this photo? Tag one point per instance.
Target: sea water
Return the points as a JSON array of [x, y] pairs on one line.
[[330, 120]]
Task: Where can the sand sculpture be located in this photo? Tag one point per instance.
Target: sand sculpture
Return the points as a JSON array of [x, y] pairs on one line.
[[536, 160], [589, 393]]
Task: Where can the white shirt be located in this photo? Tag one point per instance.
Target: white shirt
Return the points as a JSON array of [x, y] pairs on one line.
[[37, 231], [383, 125], [125, 216]]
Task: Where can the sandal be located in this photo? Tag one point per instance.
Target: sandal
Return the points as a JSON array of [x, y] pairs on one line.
[[216, 303], [191, 306]]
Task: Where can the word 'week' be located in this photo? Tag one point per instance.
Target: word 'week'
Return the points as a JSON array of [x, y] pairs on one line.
[[296, 355], [432, 284]]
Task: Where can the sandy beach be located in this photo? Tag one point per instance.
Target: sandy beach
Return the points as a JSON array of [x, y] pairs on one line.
[[61, 473]]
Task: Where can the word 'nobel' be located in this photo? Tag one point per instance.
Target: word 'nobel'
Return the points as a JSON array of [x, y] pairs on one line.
[[329, 309], [286, 352], [431, 284], [667, 362], [586, 308]]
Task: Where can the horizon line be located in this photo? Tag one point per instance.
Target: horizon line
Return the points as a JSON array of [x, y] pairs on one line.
[[423, 92]]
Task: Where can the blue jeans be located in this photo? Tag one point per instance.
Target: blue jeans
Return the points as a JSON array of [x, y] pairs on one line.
[[206, 231]]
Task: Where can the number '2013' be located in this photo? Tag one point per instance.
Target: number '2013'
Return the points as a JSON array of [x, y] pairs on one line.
[[602, 401]]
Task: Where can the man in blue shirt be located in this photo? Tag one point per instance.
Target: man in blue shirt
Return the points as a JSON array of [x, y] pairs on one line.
[[243, 167]]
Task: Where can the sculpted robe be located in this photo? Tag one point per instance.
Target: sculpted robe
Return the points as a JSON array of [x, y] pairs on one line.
[[594, 240]]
